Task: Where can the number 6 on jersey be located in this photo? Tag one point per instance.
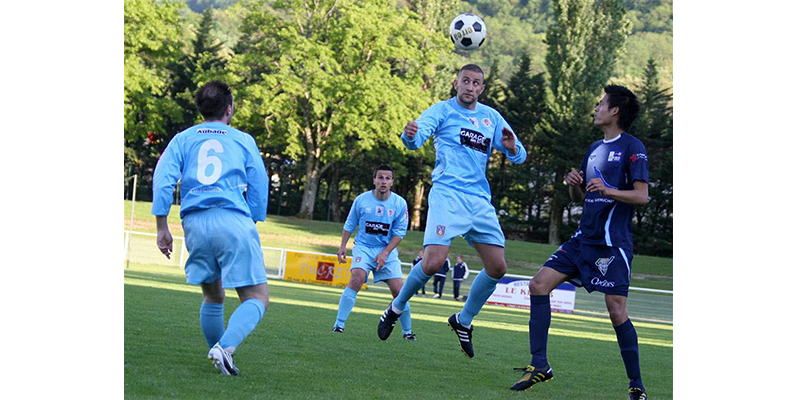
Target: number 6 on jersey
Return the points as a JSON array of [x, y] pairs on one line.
[[204, 160]]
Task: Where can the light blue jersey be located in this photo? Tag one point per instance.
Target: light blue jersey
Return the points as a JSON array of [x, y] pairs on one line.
[[379, 221], [214, 163], [463, 141]]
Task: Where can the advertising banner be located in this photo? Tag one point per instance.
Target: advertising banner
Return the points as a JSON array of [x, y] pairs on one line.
[[317, 268], [513, 292]]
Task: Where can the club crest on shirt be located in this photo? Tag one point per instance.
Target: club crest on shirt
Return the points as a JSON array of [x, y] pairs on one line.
[[357, 259], [379, 210], [390, 213], [486, 122], [614, 156], [440, 230], [603, 264]]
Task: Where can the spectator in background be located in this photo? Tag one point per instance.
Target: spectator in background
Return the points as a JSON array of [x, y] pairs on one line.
[[440, 279], [459, 274]]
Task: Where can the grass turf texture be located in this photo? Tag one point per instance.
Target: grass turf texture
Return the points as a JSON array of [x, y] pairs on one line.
[[523, 258], [293, 354]]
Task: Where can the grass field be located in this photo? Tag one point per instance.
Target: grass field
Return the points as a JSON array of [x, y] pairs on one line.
[[523, 258], [292, 353]]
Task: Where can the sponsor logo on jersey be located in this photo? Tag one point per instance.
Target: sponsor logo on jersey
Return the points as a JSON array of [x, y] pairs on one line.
[[486, 122], [474, 140], [377, 228], [638, 156], [603, 264], [602, 282], [440, 230], [208, 131], [614, 156], [379, 210]]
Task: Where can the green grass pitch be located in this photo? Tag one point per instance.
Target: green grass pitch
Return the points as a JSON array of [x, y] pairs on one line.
[[293, 355]]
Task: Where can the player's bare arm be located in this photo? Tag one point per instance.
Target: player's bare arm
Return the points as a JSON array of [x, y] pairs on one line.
[[380, 259], [411, 129], [342, 250], [508, 141], [164, 240], [637, 196], [574, 180]]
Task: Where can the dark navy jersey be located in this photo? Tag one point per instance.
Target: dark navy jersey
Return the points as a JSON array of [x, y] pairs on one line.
[[619, 163], [444, 268], [460, 271]]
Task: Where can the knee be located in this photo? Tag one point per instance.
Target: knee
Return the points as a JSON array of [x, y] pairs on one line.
[[497, 270], [431, 266], [355, 283], [618, 313], [213, 298], [537, 287]]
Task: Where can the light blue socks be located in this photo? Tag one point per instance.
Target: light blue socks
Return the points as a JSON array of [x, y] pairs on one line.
[[345, 306], [404, 319], [212, 322], [481, 290], [244, 319], [416, 279]]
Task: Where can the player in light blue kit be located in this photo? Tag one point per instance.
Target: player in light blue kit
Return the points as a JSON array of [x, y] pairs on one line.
[[381, 218], [613, 178], [464, 132], [215, 164]]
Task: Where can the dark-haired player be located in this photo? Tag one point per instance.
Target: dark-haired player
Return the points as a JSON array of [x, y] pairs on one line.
[[380, 216], [465, 132], [613, 178], [215, 163]]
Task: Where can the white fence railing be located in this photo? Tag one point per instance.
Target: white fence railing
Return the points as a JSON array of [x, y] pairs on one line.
[[647, 304]]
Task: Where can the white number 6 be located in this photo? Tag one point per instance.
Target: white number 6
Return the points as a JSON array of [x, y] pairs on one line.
[[204, 160]]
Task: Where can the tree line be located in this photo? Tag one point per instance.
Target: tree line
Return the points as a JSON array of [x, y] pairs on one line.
[[326, 87]]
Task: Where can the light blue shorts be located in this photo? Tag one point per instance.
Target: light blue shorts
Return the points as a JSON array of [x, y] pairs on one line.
[[223, 244], [453, 213], [363, 258]]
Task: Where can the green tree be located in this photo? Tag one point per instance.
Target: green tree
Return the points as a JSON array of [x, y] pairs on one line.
[[583, 44], [654, 223], [436, 16], [332, 78], [152, 41]]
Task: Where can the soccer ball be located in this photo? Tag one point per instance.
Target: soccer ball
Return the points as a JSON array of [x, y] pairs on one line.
[[467, 31]]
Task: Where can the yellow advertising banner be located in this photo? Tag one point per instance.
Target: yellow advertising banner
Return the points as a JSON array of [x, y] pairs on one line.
[[317, 268]]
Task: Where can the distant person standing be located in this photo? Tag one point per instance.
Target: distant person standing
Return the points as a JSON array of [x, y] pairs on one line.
[[215, 164], [459, 274], [440, 279]]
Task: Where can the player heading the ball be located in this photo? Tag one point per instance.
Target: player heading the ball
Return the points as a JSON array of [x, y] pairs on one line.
[[465, 132]]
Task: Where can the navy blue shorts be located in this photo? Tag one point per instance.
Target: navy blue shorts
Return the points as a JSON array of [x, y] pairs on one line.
[[594, 267]]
